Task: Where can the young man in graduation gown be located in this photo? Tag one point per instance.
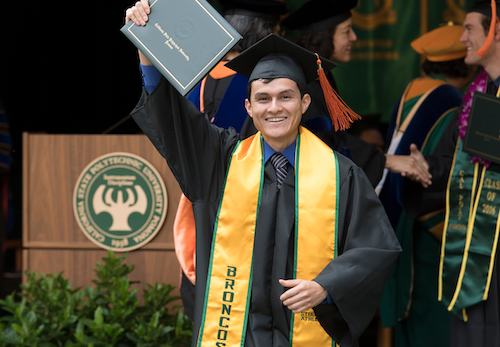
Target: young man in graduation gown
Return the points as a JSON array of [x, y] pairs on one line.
[[295, 255], [467, 187], [221, 95]]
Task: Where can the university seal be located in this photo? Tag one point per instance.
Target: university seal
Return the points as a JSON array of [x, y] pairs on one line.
[[120, 201]]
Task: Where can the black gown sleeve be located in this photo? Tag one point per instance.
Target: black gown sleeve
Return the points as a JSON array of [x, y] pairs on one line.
[[368, 248], [363, 154], [197, 152]]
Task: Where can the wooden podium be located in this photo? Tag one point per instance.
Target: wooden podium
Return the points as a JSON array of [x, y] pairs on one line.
[[53, 240]]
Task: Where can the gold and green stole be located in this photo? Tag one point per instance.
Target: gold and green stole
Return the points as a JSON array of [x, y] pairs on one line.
[[471, 232], [229, 280]]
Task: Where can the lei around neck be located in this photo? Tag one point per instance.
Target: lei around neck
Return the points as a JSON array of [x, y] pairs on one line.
[[479, 84]]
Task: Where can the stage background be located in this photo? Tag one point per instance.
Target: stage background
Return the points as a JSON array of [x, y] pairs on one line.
[[383, 61]]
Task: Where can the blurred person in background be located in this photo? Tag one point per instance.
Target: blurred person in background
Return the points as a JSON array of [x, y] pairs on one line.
[[421, 121]]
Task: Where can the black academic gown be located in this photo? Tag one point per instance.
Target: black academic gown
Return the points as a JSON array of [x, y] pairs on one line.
[[198, 154], [483, 326]]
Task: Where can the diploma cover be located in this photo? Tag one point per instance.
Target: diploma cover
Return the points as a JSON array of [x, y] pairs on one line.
[[483, 131], [183, 39]]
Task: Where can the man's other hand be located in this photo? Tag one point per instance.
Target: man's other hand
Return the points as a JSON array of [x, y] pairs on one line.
[[302, 294]]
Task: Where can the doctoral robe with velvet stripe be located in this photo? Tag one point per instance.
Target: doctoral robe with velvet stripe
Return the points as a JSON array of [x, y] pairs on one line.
[[410, 302], [198, 154]]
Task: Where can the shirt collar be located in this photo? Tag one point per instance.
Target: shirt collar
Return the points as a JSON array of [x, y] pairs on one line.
[[492, 86], [497, 82], [289, 152]]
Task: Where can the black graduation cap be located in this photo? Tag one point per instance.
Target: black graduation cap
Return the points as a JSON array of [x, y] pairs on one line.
[[254, 8], [319, 15], [484, 7], [276, 57]]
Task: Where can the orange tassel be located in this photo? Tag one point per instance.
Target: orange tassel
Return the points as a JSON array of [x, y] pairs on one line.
[[202, 93], [491, 33], [341, 114]]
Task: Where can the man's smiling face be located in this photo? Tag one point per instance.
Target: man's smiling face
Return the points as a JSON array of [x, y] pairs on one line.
[[276, 108], [473, 37]]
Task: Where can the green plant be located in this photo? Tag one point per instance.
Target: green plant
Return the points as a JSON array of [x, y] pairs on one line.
[[50, 313]]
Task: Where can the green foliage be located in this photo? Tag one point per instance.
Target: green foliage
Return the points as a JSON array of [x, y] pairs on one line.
[[51, 314]]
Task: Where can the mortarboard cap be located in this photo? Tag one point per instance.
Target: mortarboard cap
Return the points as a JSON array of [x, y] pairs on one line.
[[484, 7], [276, 57], [441, 44], [254, 8], [318, 15]]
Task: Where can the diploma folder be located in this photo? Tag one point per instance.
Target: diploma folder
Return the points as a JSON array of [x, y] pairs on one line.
[[183, 39], [483, 131]]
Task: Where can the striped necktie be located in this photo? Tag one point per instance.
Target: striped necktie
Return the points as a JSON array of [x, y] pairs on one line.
[[279, 162]]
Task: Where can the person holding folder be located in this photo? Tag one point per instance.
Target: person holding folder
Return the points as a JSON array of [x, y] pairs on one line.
[[466, 186], [293, 245], [221, 95]]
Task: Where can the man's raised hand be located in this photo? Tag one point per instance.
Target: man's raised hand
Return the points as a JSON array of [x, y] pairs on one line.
[[138, 13]]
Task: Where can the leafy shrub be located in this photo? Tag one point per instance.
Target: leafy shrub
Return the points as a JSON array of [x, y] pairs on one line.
[[49, 313]]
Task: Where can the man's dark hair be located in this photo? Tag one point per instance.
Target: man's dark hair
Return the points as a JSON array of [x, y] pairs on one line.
[[251, 28], [453, 68], [485, 22], [320, 42], [268, 80]]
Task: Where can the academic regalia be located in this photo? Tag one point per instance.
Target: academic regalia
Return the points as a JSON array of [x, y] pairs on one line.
[[424, 101], [360, 152], [312, 17], [316, 119], [409, 302], [483, 326], [367, 244], [199, 155], [224, 93], [419, 201], [318, 15], [221, 95], [442, 100]]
